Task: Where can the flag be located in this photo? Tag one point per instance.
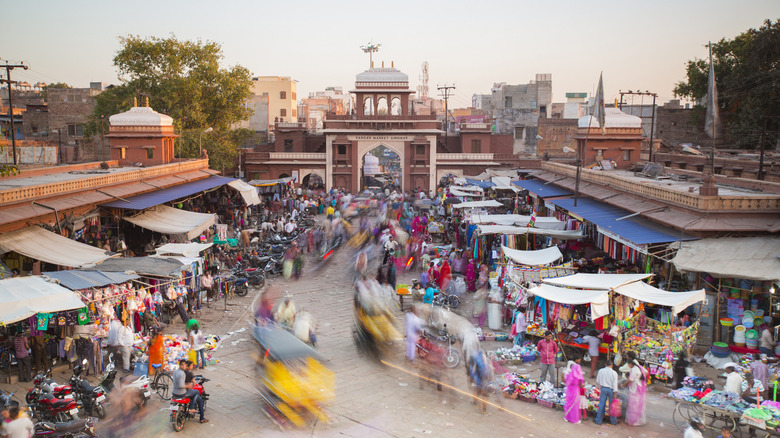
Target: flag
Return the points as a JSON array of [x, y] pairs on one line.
[[712, 120], [532, 222], [598, 104]]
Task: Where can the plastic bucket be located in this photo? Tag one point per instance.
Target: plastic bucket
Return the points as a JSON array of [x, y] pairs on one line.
[[759, 313], [739, 329], [751, 334], [752, 343]]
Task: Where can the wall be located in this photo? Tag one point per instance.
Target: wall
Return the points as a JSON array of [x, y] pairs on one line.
[[258, 121], [69, 106], [557, 134], [274, 85]]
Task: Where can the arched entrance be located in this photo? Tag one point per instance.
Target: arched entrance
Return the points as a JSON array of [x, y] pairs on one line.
[[381, 168], [313, 181]]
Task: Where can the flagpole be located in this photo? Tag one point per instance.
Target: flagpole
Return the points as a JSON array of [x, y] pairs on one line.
[[709, 188], [598, 105]]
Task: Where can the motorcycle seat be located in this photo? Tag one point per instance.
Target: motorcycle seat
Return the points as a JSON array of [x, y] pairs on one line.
[[57, 403], [181, 400], [70, 426], [87, 387], [250, 269]]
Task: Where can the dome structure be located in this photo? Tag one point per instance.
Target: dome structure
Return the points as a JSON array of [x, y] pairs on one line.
[[382, 75], [371, 165], [140, 116], [613, 118]]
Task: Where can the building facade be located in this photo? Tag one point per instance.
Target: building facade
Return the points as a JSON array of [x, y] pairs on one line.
[[619, 142], [274, 99], [141, 135]]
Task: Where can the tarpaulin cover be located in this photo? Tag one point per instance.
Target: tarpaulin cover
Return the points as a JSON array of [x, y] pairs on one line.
[[540, 189], [270, 182], [598, 299], [596, 281], [549, 223], [186, 249], [678, 301], [533, 258], [468, 188], [23, 297], [157, 197], [508, 229], [249, 193], [483, 184], [154, 266], [503, 183], [77, 279], [169, 220], [40, 244], [751, 258], [478, 204], [457, 192]]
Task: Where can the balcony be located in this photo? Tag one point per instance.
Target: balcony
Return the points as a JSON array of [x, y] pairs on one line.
[[380, 117], [464, 157], [290, 125], [312, 156]]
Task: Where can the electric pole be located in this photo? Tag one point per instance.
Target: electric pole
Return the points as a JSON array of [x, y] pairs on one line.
[[8, 67], [642, 116], [444, 92]]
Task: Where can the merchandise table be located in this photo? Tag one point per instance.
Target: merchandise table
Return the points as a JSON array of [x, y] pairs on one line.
[[714, 419]]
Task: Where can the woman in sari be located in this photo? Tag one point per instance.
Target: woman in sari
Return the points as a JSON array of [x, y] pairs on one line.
[[471, 275], [445, 275], [637, 388], [484, 274], [156, 356], [575, 382]]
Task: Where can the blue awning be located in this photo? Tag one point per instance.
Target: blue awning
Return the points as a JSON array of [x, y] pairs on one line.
[[147, 200], [638, 230], [540, 189], [77, 280], [483, 184]]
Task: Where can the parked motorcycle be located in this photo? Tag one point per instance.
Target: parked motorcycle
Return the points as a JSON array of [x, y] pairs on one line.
[[45, 407], [180, 411], [91, 399], [439, 348], [70, 429], [44, 384]]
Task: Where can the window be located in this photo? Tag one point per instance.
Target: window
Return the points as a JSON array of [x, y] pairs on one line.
[[282, 95], [519, 132], [420, 149], [533, 104], [342, 149], [476, 146], [123, 153], [75, 131], [295, 113], [283, 112], [294, 95], [508, 102], [288, 145], [627, 155], [150, 153]]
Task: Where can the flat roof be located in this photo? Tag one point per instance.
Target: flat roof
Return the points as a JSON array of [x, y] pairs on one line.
[[59, 176], [682, 186]]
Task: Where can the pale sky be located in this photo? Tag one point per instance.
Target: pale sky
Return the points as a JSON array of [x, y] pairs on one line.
[[638, 45]]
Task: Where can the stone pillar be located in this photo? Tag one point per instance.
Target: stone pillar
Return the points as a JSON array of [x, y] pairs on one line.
[[328, 162]]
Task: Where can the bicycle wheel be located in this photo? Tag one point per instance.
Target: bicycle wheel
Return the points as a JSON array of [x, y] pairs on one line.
[[682, 416], [163, 385]]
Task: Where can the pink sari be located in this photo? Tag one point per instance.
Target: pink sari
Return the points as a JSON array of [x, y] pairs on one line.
[[574, 379], [635, 414]]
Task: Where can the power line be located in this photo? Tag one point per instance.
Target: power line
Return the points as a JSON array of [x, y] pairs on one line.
[[444, 92], [8, 67]]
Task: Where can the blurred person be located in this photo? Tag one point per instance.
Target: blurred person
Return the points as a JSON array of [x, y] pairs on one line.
[[767, 341], [156, 351], [575, 386], [480, 307], [471, 275], [680, 369], [547, 350], [285, 313], [637, 388], [197, 342], [695, 429], [593, 351], [414, 326], [19, 426], [445, 275], [126, 340]]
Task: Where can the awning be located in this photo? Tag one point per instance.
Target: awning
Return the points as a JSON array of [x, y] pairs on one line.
[[270, 182], [468, 188], [142, 202], [533, 258], [549, 223], [508, 229], [596, 281], [540, 189], [192, 250], [598, 299], [503, 183], [154, 266], [78, 279], [169, 220], [636, 230], [678, 301], [23, 297], [483, 184], [249, 193], [751, 258], [456, 192], [41, 244], [478, 204]]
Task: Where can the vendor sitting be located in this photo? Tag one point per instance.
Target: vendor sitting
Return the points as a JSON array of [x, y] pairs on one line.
[[751, 388], [733, 379]]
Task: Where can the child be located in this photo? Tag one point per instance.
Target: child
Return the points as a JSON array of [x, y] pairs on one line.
[[725, 432]]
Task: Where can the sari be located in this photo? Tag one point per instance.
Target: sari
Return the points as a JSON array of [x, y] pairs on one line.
[[156, 356], [574, 381], [471, 275], [637, 388], [445, 275]]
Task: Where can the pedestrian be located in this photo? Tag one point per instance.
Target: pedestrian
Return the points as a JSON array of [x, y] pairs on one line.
[[521, 326], [681, 369], [767, 342], [22, 350], [471, 275], [547, 350], [114, 331], [637, 388], [695, 429], [198, 343], [733, 379], [207, 284], [575, 385], [19, 425], [445, 275], [429, 293], [156, 351], [593, 351], [126, 345], [414, 326], [607, 381], [760, 370], [480, 307]]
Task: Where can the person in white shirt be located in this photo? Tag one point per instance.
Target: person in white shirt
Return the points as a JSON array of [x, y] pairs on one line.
[[126, 346], [115, 329], [593, 350], [733, 379], [607, 380], [19, 424], [695, 429], [290, 227], [390, 246]]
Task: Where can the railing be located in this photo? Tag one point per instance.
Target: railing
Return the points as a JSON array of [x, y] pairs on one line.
[[465, 157], [290, 124], [766, 203], [296, 156], [467, 126], [358, 117]]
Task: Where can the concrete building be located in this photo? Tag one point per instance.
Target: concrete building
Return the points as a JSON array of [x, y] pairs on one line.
[[141, 135], [619, 142], [556, 139], [314, 108], [275, 99]]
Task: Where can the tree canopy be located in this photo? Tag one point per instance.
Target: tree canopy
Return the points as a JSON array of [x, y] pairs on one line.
[[184, 80], [747, 73]]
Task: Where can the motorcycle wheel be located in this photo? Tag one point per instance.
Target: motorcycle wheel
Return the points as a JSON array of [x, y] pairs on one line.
[[29, 398], [178, 419], [453, 301], [242, 290], [451, 358], [100, 411]]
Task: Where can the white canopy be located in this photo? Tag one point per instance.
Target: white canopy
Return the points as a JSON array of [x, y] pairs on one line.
[[533, 258], [753, 258], [249, 193], [678, 301], [503, 183], [503, 229], [596, 281], [598, 299], [549, 223], [457, 192], [23, 297], [168, 220], [468, 188], [41, 244], [186, 249], [478, 204]]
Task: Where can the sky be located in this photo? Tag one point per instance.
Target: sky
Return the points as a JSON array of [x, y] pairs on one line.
[[469, 44]]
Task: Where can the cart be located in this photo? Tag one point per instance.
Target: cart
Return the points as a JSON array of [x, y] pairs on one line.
[[715, 418]]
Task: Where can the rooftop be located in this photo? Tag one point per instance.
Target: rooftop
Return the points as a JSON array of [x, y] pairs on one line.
[[140, 116], [382, 75]]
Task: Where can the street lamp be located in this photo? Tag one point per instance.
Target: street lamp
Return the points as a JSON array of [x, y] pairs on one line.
[[200, 138]]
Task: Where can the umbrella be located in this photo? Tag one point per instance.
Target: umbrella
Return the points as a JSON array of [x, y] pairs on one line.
[[452, 200]]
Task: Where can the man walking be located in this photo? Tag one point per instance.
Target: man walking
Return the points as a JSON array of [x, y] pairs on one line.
[[21, 347], [126, 346], [548, 349], [607, 380]]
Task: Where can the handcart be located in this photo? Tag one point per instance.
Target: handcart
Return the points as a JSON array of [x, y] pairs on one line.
[[716, 418]]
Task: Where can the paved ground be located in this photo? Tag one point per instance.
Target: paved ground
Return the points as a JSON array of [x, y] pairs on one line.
[[372, 400]]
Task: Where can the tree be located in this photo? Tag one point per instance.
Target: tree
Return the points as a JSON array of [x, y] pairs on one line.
[[747, 72], [184, 80]]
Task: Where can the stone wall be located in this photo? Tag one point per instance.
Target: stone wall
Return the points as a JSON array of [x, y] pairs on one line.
[[557, 134], [69, 107]]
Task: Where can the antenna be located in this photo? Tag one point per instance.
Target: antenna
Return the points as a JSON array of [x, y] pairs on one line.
[[423, 89]]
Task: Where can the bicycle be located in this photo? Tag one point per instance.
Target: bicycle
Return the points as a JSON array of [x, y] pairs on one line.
[[162, 383]]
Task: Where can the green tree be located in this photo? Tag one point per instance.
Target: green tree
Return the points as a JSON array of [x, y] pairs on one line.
[[747, 73], [184, 80]]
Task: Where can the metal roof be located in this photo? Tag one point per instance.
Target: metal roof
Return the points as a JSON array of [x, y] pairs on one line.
[[157, 197], [540, 189], [635, 229], [78, 279], [483, 184], [155, 266]]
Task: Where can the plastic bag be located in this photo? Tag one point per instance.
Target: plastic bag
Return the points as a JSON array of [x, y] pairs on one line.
[[615, 410], [192, 356]]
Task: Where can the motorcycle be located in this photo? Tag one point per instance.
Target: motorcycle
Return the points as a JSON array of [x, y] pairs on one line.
[[439, 349], [90, 398], [45, 407], [70, 429], [140, 383], [254, 276], [180, 411], [46, 385]]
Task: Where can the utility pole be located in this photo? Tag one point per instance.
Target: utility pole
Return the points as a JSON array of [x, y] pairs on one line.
[[444, 92], [642, 116], [8, 67], [761, 175]]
